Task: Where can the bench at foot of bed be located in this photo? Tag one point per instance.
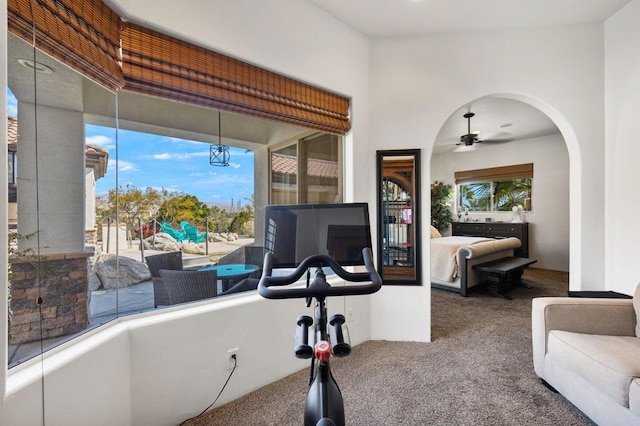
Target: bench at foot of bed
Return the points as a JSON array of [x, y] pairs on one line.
[[505, 274]]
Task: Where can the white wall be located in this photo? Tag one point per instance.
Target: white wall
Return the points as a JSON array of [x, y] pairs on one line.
[[417, 82], [549, 218], [162, 368], [622, 107]]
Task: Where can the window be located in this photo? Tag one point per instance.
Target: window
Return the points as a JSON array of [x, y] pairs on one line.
[[307, 171], [495, 189]]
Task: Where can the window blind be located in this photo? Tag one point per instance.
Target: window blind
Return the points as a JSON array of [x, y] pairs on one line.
[[160, 65], [495, 174], [85, 35], [88, 36]]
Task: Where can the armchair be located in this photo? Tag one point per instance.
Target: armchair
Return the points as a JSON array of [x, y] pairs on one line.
[[587, 349], [189, 286]]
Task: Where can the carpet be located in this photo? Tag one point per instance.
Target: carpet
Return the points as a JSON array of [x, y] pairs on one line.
[[478, 370]]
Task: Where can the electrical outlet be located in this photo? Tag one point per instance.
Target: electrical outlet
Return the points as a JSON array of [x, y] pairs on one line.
[[230, 361], [349, 314]]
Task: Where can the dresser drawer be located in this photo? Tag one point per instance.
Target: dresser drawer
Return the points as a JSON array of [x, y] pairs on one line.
[[503, 230], [468, 229]]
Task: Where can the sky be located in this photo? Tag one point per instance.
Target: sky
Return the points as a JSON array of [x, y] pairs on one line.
[[147, 160]]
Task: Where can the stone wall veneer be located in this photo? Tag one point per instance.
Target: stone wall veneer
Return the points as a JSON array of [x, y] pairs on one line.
[[61, 281]]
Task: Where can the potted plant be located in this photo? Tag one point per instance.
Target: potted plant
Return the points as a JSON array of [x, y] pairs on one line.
[[441, 194]]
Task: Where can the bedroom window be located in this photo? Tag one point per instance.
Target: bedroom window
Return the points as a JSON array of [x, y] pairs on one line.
[[495, 189]]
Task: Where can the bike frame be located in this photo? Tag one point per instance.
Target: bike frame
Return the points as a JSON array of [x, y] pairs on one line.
[[324, 399], [324, 405]]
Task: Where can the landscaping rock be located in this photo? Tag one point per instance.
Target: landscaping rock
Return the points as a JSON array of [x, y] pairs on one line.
[[130, 271], [94, 280], [164, 242]]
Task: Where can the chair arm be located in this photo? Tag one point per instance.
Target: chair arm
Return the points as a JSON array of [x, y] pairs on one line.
[[604, 316]]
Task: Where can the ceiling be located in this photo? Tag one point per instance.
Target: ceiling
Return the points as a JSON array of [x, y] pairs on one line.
[[374, 18], [384, 18], [498, 118]]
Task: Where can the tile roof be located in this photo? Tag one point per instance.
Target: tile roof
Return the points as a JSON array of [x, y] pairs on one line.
[[12, 130], [317, 168]]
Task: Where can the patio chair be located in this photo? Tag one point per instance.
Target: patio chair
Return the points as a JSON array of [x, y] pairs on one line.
[[189, 286], [176, 234], [171, 260], [192, 233]]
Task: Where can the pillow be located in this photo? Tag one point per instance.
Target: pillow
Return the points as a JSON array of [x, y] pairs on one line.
[[435, 233], [636, 307]]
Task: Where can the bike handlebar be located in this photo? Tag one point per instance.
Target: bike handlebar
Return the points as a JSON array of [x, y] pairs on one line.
[[319, 289]]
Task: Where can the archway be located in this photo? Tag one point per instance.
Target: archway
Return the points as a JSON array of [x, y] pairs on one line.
[[521, 129]]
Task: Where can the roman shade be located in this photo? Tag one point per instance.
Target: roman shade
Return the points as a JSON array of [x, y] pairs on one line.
[[90, 38], [159, 65], [495, 174], [85, 35]]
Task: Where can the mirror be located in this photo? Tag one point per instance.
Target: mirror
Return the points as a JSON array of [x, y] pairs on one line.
[[398, 177]]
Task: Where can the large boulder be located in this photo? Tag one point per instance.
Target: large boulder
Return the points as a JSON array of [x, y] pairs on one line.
[[94, 280], [163, 242], [128, 272]]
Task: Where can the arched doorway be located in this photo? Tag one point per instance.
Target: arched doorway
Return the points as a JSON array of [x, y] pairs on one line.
[[513, 129]]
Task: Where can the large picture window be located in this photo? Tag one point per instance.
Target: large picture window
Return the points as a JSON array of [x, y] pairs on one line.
[[495, 189]]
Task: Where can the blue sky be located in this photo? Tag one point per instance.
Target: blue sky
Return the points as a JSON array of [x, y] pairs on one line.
[[146, 160]]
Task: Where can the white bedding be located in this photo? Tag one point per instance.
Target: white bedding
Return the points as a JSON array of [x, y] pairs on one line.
[[444, 262]]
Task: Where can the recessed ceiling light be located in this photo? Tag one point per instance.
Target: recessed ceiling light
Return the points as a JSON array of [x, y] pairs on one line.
[[35, 66], [506, 125]]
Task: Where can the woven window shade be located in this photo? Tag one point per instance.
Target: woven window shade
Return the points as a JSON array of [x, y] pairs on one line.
[[85, 35], [159, 65], [495, 174]]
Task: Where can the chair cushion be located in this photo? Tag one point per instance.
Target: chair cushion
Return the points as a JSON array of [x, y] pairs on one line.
[[636, 307], [435, 233], [609, 363]]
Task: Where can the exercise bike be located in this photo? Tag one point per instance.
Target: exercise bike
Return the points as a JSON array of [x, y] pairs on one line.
[[324, 405]]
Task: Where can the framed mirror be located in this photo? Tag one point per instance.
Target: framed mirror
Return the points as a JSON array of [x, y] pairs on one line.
[[398, 177]]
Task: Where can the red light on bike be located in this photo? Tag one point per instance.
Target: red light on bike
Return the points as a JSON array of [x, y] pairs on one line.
[[323, 350]]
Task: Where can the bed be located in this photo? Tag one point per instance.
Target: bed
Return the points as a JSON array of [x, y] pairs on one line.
[[453, 258]]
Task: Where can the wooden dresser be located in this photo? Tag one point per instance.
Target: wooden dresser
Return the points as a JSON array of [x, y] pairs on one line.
[[495, 230]]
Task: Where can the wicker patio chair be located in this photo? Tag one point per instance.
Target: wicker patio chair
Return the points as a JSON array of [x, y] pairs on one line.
[[189, 286], [170, 261]]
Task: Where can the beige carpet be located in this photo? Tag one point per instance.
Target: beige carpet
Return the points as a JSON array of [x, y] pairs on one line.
[[477, 371]]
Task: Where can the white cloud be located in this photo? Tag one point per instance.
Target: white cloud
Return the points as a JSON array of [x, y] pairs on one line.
[[99, 140], [181, 156], [126, 166]]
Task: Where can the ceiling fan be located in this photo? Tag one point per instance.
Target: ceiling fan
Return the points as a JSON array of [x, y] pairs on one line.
[[470, 138]]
